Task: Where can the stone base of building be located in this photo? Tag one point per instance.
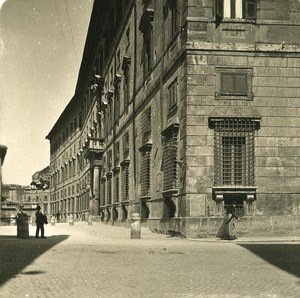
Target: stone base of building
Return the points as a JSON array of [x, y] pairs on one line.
[[207, 227], [254, 226]]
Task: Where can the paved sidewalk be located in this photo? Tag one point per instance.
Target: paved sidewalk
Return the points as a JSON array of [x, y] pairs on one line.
[[102, 261]]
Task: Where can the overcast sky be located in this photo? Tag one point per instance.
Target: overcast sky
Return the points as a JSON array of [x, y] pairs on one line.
[[41, 45]]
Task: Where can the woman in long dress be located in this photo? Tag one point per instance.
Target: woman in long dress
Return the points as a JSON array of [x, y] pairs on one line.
[[227, 229]]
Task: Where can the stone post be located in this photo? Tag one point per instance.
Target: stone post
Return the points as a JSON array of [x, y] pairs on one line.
[[135, 232]]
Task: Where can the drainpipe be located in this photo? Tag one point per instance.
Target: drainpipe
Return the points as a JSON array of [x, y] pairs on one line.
[[134, 90]]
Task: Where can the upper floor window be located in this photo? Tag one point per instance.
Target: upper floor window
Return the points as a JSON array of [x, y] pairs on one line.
[[146, 28], [233, 83], [126, 81], [236, 9], [172, 95], [146, 126]]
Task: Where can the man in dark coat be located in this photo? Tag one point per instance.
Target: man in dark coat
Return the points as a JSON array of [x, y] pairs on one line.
[[40, 220]]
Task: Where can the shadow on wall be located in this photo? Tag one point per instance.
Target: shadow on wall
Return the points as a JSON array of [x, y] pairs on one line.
[[284, 256], [16, 254]]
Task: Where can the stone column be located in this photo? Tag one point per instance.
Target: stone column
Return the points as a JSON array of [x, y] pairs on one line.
[[96, 189]]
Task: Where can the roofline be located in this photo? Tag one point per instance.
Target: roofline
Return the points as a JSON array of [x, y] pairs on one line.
[[86, 61]]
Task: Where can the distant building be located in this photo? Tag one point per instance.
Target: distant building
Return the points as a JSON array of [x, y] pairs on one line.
[[181, 108], [27, 198]]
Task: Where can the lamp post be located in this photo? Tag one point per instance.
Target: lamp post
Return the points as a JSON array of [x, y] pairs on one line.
[[3, 150]]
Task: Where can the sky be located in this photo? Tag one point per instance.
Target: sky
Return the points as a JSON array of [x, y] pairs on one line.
[[41, 46]]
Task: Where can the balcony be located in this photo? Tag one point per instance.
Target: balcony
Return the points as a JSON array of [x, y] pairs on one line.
[[93, 148]]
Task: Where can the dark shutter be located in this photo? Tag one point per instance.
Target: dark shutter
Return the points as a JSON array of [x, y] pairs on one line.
[[240, 86], [249, 9], [219, 11], [234, 84]]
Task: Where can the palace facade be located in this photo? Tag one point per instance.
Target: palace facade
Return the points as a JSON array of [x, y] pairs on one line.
[[182, 107]]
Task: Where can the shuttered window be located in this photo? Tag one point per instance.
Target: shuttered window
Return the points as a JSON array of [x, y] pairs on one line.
[[234, 84]]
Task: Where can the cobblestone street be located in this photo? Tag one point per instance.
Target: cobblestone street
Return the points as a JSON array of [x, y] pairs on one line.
[[102, 261]]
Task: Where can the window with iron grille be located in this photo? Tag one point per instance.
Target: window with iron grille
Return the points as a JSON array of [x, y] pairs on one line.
[[145, 170], [169, 162], [125, 180], [109, 188], [146, 126], [233, 83], [116, 185], [234, 152]]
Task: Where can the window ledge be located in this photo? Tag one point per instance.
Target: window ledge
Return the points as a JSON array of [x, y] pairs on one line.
[[234, 189]]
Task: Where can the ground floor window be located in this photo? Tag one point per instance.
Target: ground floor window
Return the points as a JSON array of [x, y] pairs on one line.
[[234, 152]]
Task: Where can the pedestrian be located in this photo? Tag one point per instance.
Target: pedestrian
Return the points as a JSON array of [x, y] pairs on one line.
[[227, 229], [40, 220], [57, 216]]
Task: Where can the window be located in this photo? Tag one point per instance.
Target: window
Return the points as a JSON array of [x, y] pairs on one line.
[[234, 152], [117, 97], [146, 170], [233, 83], [126, 81], [146, 126], [172, 95], [147, 29], [116, 184], [125, 180], [125, 145], [169, 160], [235, 9], [173, 4], [147, 55]]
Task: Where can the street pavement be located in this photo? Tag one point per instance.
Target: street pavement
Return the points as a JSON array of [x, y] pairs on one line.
[[99, 260]]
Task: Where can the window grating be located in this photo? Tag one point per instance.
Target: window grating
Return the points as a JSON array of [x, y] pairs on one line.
[[125, 181], [170, 157], [109, 189], [145, 173], [234, 152], [116, 187]]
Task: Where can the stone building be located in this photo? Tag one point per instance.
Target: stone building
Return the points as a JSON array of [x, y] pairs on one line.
[[182, 107]]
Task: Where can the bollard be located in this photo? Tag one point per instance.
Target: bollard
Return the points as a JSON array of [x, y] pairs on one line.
[[22, 226], [52, 220], [135, 232], [71, 220], [89, 220]]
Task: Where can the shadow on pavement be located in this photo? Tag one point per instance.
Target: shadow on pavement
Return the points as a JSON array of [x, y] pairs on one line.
[[284, 256], [16, 254]]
